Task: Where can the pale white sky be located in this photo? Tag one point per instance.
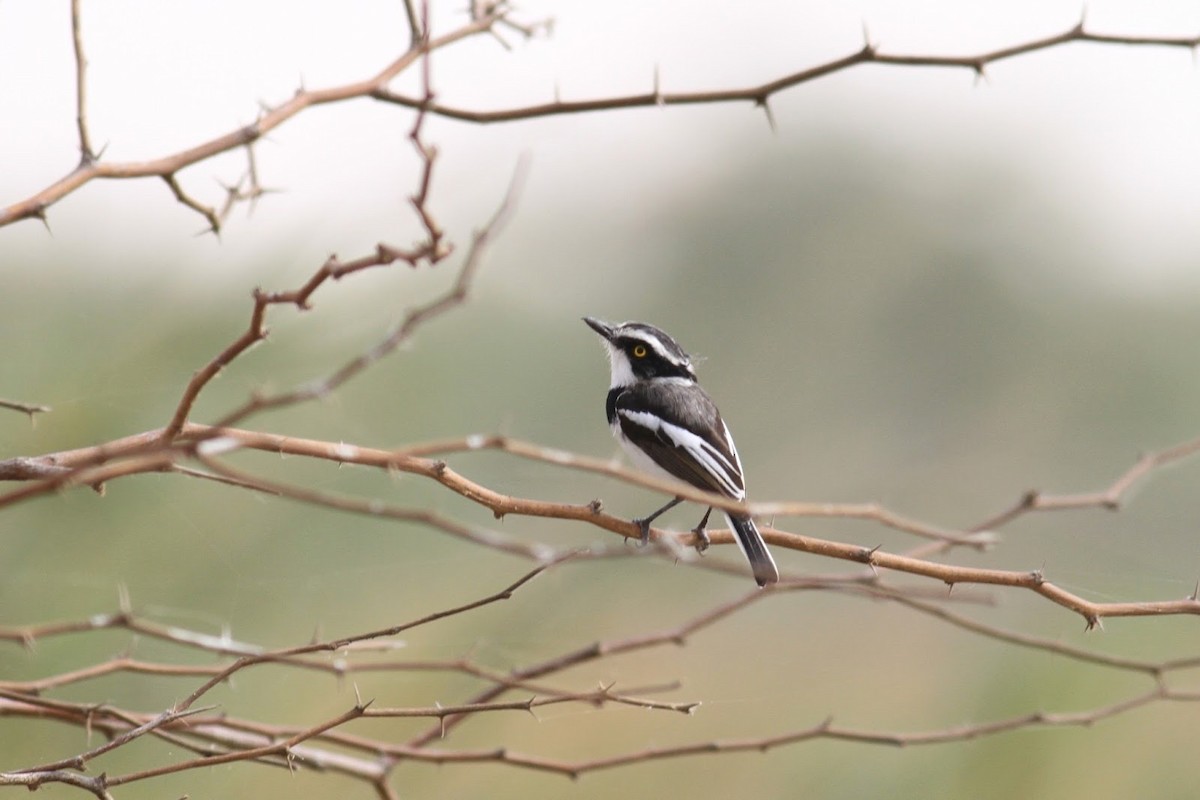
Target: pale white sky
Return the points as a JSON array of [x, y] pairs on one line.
[[1114, 130]]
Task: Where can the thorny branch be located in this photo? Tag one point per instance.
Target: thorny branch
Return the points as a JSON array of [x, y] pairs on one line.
[[430, 251], [183, 708], [454, 297], [760, 95], [167, 167], [205, 443], [485, 17], [191, 449], [227, 739]]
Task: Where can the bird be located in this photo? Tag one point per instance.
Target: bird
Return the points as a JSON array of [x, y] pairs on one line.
[[671, 428]]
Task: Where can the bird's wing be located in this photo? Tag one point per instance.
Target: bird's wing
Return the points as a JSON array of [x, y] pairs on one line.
[[680, 428]]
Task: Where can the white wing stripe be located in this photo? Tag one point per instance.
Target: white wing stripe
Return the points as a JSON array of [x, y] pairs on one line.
[[712, 460], [737, 460]]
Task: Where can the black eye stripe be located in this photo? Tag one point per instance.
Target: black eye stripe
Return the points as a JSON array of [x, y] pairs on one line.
[[654, 353]]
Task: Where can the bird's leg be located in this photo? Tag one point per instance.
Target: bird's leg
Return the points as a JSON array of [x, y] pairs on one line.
[[702, 540], [644, 522]]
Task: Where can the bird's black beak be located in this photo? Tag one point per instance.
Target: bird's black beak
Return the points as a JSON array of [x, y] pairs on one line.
[[601, 327]]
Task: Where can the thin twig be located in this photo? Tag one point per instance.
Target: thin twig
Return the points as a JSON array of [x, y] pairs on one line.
[[1109, 498], [31, 409], [416, 30], [375, 508], [86, 154], [336, 644], [256, 331]]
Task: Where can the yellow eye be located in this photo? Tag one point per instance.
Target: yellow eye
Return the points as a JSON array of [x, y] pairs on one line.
[[639, 350]]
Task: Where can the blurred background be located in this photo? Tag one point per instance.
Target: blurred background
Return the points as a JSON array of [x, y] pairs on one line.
[[921, 288]]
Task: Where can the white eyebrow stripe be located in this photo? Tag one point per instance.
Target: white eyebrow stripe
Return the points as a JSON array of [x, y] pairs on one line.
[[655, 344], [703, 453]]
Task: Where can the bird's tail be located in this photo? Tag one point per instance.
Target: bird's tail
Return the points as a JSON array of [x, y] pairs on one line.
[[754, 549]]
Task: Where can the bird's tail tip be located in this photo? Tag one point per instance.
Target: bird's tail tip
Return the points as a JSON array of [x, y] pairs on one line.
[[755, 550]]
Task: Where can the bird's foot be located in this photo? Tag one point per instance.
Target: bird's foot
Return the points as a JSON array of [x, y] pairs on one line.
[[644, 525], [702, 540]]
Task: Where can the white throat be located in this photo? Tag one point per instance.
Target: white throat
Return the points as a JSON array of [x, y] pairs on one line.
[[622, 370]]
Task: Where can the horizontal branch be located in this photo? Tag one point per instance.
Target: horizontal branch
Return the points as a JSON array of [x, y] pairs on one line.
[[225, 739], [825, 730], [488, 16], [240, 746], [828, 730], [760, 94], [952, 575], [1154, 669], [206, 442]]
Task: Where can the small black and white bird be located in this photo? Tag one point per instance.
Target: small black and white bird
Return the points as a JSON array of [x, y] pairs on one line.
[[671, 428]]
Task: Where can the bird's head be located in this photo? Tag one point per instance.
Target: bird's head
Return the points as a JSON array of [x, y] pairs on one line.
[[637, 351]]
